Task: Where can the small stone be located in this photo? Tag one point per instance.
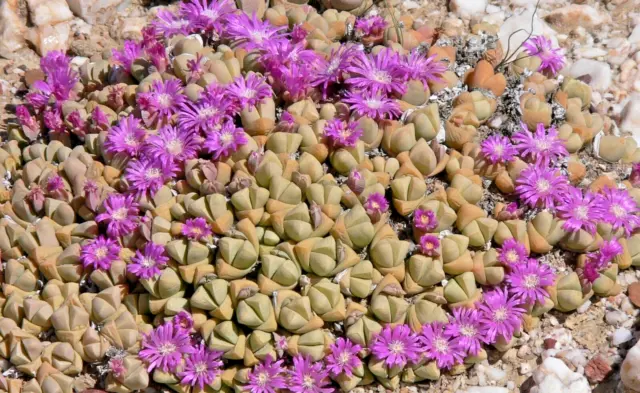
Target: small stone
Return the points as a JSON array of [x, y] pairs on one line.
[[621, 336], [597, 369], [512, 35], [467, 8], [411, 5], [630, 117], [553, 376], [569, 17], [615, 317], [600, 73], [48, 38], [634, 293], [12, 28], [525, 368], [549, 343], [93, 11], [48, 12], [32, 76], [486, 389], [634, 38], [630, 370], [494, 374], [584, 307]]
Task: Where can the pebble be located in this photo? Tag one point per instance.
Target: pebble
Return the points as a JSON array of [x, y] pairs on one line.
[[600, 73], [550, 343], [524, 352], [584, 307], [634, 293], [630, 370], [634, 37], [591, 53], [630, 117], [12, 28], [467, 8], [48, 38], [615, 317], [507, 33], [495, 374], [486, 389], [525, 368], [411, 5], [48, 12], [597, 369], [621, 336], [553, 376], [572, 16]]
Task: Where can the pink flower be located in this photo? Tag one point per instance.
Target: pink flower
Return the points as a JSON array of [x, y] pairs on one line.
[[601, 260], [207, 15], [194, 66], [464, 327], [610, 249], [430, 245], [298, 33], [331, 72], [163, 347], [162, 101], [552, 58], [60, 78], [157, 55], [99, 120], [147, 264], [131, 50], [148, 175], [374, 105], [171, 145], [580, 210], [167, 24], [226, 141], [425, 69], [342, 134], [527, 281], [425, 220], [397, 346], [204, 115], [307, 376], [183, 321], [619, 210], [116, 366], [540, 187], [196, 228], [497, 149], [343, 358], [634, 177], [500, 315], [201, 366], [267, 377], [373, 25], [375, 206], [541, 147], [250, 91], [100, 253], [379, 72], [250, 32], [29, 123], [440, 346], [512, 252], [121, 215], [127, 137], [52, 118]]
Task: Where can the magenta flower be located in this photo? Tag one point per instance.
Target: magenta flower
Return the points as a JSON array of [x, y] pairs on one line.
[[497, 149], [619, 209], [100, 253], [464, 327], [29, 123], [552, 58], [307, 376], [157, 55], [375, 206], [610, 249], [541, 147], [580, 210], [131, 50], [527, 281], [226, 141], [116, 366], [634, 177], [148, 175], [37, 100], [171, 145], [430, 245], [425, 69], [99, 120], [250, 91], [440, 346], [591, 270], [374, 105], [201, 366], [373, 25], [127, 137], [183, 320], [168, 24], [342, 134], [121, 215], [343, 358], [425, 220], [267, 377], [500, 315], [280, 54], [163, 348], [379, 72], [52, 118], [298, 33], [206, 15], [147, 264], [196, 228], [163, 100], [294, 82], [512, 252], [203, 116], [332, 72], [540, 187], [60, 78], [195, 67], [250, 32], [397, 346]]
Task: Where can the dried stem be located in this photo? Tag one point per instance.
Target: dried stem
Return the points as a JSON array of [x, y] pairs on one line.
[[507, 60]]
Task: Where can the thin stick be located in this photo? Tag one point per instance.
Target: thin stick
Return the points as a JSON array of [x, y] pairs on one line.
[[396, 25], [507, 60]]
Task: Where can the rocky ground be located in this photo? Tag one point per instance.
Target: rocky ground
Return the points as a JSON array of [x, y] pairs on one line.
[[583, 350]]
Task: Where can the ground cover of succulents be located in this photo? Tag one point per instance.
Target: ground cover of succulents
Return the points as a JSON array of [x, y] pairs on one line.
[[298, 198]]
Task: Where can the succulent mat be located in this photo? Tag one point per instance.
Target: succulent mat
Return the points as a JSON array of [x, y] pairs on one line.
[[299, 199]]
